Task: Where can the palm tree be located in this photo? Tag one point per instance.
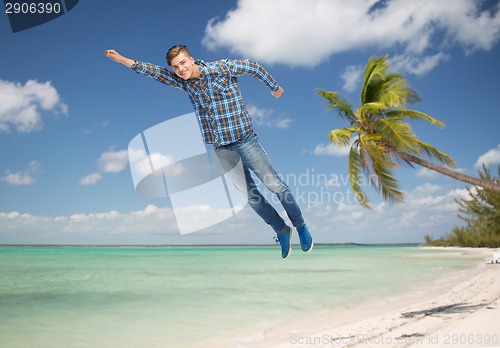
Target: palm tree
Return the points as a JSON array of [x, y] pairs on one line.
[[380, 137]]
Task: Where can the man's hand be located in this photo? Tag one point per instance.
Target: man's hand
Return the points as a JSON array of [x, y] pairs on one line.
[[117, 57], [277, 93]]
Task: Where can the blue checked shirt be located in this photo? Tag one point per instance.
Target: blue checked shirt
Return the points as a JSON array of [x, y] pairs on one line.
[[215, 96]]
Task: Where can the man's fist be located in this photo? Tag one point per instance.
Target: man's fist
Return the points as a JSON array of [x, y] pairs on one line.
[[117, 57], [277, 93]]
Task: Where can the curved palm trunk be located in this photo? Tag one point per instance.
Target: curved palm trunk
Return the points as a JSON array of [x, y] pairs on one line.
[[485, 184]]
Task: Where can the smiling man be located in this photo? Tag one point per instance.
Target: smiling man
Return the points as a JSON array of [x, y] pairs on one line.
[[214, 92]]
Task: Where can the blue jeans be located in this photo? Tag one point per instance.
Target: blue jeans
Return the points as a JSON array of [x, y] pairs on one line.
[[254, 158]]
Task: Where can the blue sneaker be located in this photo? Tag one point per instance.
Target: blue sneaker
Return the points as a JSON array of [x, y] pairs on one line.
[[306, 242], [285, 240]]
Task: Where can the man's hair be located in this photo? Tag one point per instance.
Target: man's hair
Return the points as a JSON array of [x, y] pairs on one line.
[[174, 51]]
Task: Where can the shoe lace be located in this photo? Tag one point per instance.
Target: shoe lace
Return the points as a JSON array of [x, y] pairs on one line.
[[276, 239], [305, 237]]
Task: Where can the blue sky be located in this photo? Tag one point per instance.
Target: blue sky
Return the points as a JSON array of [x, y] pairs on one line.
[[67, 113]]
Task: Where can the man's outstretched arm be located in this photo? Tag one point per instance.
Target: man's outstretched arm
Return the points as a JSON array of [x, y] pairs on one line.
[[156, 72], [246, 66], [117, 57]]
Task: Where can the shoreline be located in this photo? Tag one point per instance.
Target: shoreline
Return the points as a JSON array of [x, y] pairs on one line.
[[459, 310]]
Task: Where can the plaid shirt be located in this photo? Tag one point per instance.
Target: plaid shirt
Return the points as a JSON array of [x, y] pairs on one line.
[[215, 96]]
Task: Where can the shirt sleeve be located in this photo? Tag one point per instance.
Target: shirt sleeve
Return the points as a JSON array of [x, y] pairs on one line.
[[159, 73], [246, 66]]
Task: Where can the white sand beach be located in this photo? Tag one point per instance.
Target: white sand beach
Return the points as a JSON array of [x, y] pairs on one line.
[[460, 311]]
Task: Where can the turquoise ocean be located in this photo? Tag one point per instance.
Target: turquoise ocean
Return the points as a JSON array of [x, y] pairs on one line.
[[187, 296]]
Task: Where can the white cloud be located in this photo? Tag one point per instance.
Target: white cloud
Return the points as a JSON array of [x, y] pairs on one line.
[[427, 173], [351, 212], [424, 196], [140, 163], [21, 106], [109, 162], [427, 209], [417, 64], [18, 179], [168, 162], [305, 33], [352, 76], [152, 224], [490, 157], [90, 179], [331, 150], [87, 226], [23, 178], [265, 117], [113, 161]]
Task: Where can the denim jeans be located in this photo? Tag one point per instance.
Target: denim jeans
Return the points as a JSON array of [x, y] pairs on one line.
[[254, 158]]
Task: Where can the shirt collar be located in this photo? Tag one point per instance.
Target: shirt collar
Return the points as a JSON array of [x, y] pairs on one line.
[[202, 65]]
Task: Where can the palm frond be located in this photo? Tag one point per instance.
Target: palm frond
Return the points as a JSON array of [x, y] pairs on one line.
[[338, 103], [342, 136], [433, 153], [395, 91], [388, 185], [374, 148], [354, 173], [380, 166], [381, 85], [373, 73], [414, 115], [373, 108], [397, 133]]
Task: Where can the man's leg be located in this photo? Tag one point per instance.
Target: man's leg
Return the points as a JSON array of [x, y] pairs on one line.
[[228, 158], [255, 158], [261, 206]]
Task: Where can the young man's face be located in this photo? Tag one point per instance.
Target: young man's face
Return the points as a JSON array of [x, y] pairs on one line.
[[183, 66]]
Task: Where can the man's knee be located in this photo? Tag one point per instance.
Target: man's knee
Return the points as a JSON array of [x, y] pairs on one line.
[[275, 184]]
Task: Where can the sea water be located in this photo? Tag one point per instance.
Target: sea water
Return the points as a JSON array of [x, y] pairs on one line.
[[186, 296]]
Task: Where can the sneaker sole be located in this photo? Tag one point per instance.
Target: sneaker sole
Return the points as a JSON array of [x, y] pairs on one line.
[[289, 252]]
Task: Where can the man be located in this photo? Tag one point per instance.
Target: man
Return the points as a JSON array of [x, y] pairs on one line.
[[224, 121]]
